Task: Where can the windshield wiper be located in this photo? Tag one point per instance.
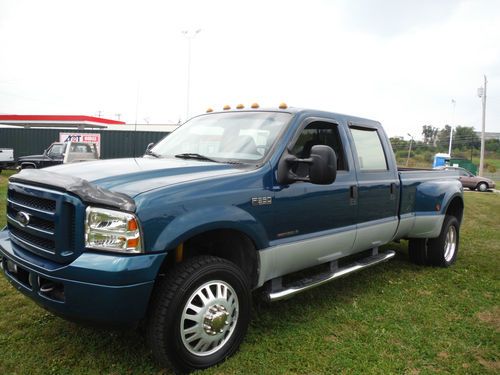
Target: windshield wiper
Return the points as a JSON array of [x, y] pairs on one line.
[[190, 155]]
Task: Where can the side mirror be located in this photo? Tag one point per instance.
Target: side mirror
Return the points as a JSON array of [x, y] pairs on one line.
[[149, 147], [322, 167]]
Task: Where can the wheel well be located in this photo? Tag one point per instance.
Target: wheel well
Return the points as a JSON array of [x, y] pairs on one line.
[[482, 182], [28, 165], [229, 244], [456, 208]]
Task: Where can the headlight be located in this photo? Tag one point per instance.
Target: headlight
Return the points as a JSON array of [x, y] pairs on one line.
[[112, 231]]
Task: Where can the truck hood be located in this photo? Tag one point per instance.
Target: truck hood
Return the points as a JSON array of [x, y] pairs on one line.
[[134, 176], [30, 157]]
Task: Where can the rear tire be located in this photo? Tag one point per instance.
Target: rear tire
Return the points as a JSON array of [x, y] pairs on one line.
[[199, 314], [417, 251], [442, 251]]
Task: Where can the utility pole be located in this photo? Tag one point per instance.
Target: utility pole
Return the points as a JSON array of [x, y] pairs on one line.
[[189, 36], [481, 92], [451, 125], [409, 149]]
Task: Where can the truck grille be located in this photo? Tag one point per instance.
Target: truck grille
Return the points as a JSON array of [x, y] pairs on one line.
[[43, 221], [33, 202], [47, 245]]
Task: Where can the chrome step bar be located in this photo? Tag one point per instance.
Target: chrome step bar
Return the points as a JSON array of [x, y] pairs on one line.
[[301, 286]]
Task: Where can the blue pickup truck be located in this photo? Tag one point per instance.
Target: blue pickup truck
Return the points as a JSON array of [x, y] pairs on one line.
[[230, 203]]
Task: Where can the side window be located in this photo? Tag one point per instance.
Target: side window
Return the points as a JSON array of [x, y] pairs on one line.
[[371, 156], [320, 133], [56, 150], [464, 173]]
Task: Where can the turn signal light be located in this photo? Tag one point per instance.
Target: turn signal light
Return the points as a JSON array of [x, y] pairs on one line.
[[132, 225]]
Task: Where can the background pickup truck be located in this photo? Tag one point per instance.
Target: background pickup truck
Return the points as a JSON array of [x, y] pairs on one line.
[[229, 203], [60, 153], [6, 158]]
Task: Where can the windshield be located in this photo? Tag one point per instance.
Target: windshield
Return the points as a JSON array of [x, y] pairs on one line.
[[244, 137]]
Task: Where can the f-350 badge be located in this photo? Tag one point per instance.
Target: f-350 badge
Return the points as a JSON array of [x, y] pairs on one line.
[[262, 201]]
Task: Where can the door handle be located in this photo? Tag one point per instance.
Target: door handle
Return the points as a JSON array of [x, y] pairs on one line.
[[393, 191], [353, 195]]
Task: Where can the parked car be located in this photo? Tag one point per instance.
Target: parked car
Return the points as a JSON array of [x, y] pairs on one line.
[[6, 159], [228, 203], [60, 153], [469, 180]]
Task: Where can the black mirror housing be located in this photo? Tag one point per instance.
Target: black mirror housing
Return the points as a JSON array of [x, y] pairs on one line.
[[323, 169]]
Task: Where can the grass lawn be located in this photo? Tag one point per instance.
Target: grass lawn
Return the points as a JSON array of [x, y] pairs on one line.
[[395, 318]]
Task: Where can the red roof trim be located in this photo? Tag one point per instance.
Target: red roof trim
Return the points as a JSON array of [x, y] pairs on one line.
[[59, 118]]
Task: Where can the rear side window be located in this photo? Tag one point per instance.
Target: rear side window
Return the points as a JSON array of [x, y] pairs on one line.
[[371, 156]]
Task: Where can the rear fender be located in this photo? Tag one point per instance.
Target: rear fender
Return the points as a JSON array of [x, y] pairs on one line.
[[431, 204]]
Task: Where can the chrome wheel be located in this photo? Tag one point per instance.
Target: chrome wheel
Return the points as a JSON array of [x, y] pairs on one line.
[[209, 318], [450, 243]]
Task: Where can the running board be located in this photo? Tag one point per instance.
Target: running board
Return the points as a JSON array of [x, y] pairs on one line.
[[303, 285]]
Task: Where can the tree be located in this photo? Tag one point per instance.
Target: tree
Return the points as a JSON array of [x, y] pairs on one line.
[[430, 135], [465, 138], [398, 143]]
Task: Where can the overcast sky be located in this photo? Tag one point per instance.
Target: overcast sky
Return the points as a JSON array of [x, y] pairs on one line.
[[400, 62]]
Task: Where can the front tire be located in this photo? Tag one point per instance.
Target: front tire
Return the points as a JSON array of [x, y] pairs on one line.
[[199, 314], [483, 186], [442, 251]]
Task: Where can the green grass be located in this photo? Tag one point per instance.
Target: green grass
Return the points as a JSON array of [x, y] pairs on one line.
[[395, 318]]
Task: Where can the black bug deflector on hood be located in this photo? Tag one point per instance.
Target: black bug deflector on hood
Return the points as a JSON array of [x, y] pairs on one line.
[[88, 192]]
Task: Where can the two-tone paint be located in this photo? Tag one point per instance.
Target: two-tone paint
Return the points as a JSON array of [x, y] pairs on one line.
[[292, 226]]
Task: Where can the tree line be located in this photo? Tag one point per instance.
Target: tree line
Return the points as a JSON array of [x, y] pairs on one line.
[[438, 140], [465, 144]]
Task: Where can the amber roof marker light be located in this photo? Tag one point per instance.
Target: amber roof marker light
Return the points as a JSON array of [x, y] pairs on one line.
[[255, 105], [209, 109], [240, 106], [283, 105], [227, 107]]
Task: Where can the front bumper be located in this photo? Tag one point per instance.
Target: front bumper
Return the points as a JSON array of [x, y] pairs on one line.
[[108, 289]]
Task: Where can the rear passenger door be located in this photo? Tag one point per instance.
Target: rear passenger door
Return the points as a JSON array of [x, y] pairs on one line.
[[378, 186]]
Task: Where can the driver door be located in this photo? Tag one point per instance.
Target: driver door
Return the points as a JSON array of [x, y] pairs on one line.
[[314, 224]]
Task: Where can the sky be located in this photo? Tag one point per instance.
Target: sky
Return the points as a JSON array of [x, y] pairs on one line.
[[400, 62]]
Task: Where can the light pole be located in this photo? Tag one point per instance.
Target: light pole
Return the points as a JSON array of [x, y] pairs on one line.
[[481, 92], [409, 149], [451, 126], [189, 36]]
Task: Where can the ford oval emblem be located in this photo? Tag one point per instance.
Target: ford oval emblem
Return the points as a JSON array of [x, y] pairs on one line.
[[23, 218]]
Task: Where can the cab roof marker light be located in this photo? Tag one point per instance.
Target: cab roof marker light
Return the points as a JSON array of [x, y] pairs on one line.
[[240, 106], [255, 105], [209, 109], [283, 105], [227, 107]]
